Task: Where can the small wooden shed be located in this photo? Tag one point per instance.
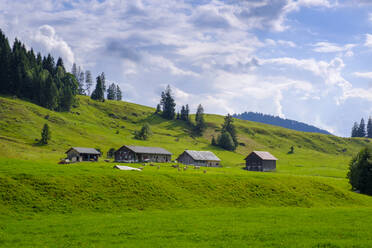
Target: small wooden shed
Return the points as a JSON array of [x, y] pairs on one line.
[[79, 154], [142, 154], [199, 158], [260, 161]]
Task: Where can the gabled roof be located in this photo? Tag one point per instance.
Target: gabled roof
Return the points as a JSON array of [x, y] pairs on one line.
[[263, 155], [85, 150], [148, 150], [202, 155]]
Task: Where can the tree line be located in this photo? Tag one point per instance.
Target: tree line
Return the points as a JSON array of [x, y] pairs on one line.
[[45, 82], [167, 109], [35, 77], [360, 129]]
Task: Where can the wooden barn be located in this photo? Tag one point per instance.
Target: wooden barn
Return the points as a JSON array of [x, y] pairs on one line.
[[79, 154], [142, 154], [199, 158], [260, 161]]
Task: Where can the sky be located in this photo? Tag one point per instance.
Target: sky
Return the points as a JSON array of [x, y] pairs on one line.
[[307, 60]]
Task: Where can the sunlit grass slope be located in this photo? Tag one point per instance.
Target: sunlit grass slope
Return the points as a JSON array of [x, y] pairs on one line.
[[111, 124]]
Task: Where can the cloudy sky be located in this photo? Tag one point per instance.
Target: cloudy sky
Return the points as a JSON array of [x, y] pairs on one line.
[[308, 60]]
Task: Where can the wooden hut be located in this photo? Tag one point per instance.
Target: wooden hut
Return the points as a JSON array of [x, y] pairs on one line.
[[260, 161], [142, 154], [199, 158], [79, 154]]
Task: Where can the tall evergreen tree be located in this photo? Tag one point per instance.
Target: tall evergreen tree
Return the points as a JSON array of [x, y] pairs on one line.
[[158, 109], [369, 128], [111, 92], [103, 80], [362, 129], [74, 71], [5, 59], [199, 120], [168, 104], [229, 127], [81, 82], [88, 81], [60, 64], [98, 94], [187, 113], [354, 130], [45, 135], [226, 142], [118, 93]]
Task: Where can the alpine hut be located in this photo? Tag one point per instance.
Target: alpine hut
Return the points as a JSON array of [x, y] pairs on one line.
[[79, 154], [142, 154], [199, 158], [260, 161]]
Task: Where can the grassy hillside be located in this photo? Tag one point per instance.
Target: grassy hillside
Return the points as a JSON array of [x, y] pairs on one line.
[[90, 204], [112, 123]]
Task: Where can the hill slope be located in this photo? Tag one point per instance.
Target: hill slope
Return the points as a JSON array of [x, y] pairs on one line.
[[277, 121], [31, 180]]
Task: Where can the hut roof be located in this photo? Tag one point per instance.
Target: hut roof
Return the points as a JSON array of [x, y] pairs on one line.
[[263, 155], [148, 150], [85, 150], [202, 155]]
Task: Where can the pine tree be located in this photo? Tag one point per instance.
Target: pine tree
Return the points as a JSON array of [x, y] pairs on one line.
[[187, 112], [5, 59], [369, 128], [199, 120], [88, 81], [60, 64], [45, 135], [178, 116], [103, 80], [98, 94], [229, 127], [168, 104], [111, 92], [183, 113], [51, 94], [362, 129], [118, 93], [74, 71], [158, 109], [226, 142], [354, 130], [81, 82]]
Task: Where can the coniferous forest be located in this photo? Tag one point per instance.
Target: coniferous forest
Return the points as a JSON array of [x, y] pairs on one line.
[[44, 81], [34, 77]]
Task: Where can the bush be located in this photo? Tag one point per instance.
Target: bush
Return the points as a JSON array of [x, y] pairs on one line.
[[360, 172], [145, 132]]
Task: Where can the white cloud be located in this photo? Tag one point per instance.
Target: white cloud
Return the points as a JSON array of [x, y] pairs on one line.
[[368, 41], [48, 40], [363, 74], [287, 43], [326, 47]]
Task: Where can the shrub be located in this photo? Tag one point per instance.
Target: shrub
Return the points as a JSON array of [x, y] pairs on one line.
[[360, 172], [145, 132]]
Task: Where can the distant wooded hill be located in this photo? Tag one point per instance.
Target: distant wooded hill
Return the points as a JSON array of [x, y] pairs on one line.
[[277, 121]]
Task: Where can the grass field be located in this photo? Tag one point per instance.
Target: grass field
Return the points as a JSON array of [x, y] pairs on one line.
[[307, 202]]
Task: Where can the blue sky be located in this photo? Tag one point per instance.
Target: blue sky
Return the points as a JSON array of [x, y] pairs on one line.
[[308, 60]]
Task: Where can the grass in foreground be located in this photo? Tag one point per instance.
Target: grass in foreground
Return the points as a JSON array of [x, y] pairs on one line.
[[218, 227]]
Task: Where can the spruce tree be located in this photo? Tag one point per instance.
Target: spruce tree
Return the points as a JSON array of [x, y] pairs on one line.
[[98, 94], [118, 93], [369, 128], [226, 142], [199, 120], [229, 127], [158, 109], [80, 79], [362, 129], [111, 92], [88, 81], [354, 130], [60, 64], [168, 104], [45, 134], [187, 112]]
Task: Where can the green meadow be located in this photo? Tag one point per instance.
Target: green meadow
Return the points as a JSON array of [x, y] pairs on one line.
[[307, 202]]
